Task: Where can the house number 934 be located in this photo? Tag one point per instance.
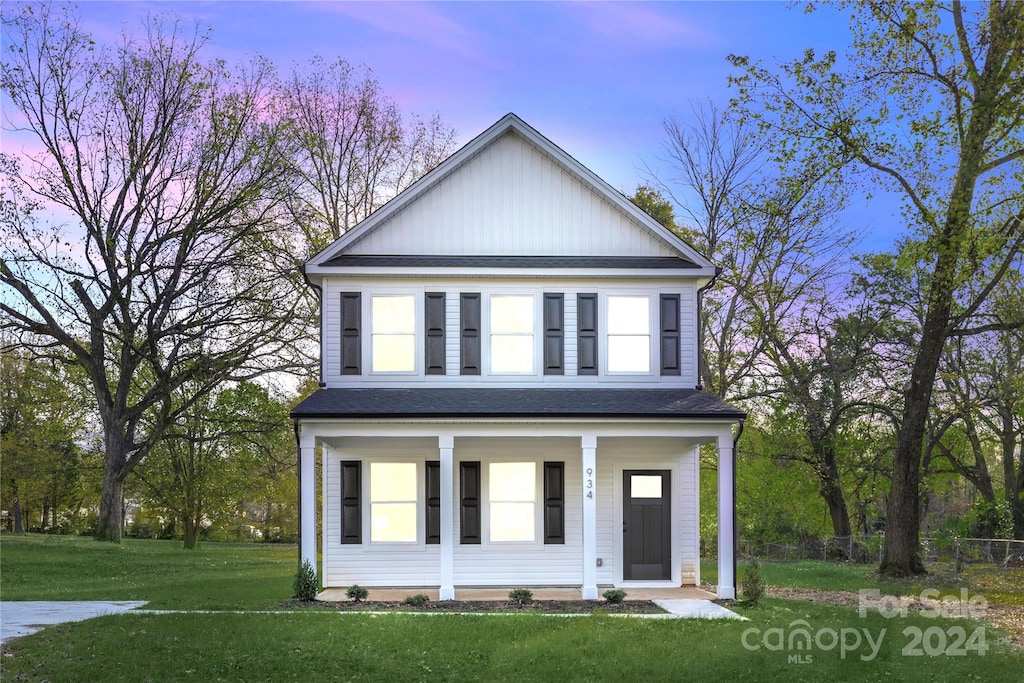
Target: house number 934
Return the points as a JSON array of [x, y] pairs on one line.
[[590, 482]]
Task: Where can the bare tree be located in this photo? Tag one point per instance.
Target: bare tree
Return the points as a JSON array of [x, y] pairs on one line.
[[157, 262], [770, 330], [351, 148]]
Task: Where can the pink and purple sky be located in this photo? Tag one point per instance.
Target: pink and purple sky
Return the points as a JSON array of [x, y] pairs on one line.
[[597, 78]]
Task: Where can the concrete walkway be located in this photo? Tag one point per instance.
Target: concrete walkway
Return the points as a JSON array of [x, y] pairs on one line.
[[22, 618]]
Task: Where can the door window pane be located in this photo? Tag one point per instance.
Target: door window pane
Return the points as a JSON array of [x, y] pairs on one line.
[[645, 486]]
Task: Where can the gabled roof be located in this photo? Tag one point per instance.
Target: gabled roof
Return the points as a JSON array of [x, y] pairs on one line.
[[672, 245], [444, 402]]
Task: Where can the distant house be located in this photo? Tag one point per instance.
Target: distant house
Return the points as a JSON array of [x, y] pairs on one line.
[[509, 355]]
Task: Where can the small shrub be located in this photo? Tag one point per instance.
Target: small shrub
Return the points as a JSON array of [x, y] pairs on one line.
[[418, 600], [520, 596], [356, 593], [753, 584], [305, 585], [615, 596]]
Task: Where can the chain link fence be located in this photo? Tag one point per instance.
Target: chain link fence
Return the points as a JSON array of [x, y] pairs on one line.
[[999, 551]]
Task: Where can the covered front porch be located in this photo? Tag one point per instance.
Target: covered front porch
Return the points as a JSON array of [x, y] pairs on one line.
[[599, 459]]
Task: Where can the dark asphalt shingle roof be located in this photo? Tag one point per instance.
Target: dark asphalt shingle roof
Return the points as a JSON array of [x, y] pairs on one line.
[[440, 261], [530, 402]]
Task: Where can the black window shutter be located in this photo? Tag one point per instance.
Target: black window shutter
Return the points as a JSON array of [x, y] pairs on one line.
[[469, 502], [433, 498], [351, 505], [470, 335], [435, 333], [554, 502], [670, 351], [554, 334], [351, 319], [586, 334]]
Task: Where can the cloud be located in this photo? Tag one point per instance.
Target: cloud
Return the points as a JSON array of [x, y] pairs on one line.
[[642, 26], [421, 22]]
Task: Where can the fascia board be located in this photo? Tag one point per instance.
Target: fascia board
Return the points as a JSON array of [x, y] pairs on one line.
[[669, 274]]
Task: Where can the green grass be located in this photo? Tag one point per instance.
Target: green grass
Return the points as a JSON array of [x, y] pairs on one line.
[[995, 583], [324, 646], [214, 576]]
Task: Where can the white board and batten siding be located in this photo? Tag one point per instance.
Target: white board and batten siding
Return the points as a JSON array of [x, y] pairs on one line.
[[511, 199]]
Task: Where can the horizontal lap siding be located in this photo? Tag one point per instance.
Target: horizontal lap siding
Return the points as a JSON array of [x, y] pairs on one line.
[[527, 564], [363, 564], [688, 334], [688, 518], [606, 527]]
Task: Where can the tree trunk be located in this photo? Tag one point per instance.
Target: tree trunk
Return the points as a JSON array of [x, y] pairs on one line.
[[831, 490], [19, 525], [111, 520], [191, 526], [1012, 491]]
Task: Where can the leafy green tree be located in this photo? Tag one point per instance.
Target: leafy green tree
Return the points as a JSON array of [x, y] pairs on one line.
[[659, 208], [927, 102], [143, 231], [44, 456], [220, 454]]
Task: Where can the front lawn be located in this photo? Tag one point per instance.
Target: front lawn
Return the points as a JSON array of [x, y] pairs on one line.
[[324, 646], [214, 576]]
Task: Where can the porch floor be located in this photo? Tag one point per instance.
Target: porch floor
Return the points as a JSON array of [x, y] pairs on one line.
[[539, 593]]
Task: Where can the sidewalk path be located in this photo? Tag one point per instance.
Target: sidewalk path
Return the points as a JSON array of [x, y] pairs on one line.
[[19, 618]]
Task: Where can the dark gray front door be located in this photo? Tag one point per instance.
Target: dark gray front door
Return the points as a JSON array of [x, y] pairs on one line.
[[646, 525]]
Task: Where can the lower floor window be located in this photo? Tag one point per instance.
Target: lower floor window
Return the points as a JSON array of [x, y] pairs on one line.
[[513, 498], [393, 502]]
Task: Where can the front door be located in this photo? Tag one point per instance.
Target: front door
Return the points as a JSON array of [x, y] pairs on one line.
[[646, 525]]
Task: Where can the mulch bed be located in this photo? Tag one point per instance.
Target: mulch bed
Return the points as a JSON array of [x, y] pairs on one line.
[[486, 606]]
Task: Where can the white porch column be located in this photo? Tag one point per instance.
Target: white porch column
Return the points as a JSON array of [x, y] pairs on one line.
[[589, 447], [307, 497], [446, 444], [726, 531]]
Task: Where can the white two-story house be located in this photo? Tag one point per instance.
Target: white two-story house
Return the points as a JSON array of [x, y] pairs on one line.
[[509, 395]]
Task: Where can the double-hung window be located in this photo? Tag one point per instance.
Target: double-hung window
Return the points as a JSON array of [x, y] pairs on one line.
[[393, 333], [394, 497], [512, 334], [513, 501], [629, 334]]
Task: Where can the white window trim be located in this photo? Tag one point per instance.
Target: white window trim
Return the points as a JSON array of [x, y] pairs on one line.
[[418, 334], [538, 502], [603, 344], [486, 332]]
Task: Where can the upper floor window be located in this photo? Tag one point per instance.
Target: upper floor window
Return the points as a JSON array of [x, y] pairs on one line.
[[629, 334], [512, 334], [393, 502], [393, 333]]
